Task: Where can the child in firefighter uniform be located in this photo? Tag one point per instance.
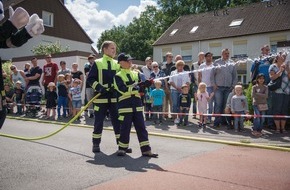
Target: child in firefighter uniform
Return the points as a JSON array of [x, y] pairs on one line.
[[130, 108], [100, 78]]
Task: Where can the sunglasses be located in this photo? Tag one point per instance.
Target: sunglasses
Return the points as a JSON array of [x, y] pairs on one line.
[[155, 66], [12, 69]]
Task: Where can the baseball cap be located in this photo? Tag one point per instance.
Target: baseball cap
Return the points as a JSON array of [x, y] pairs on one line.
[[124, 57], [91, 56]]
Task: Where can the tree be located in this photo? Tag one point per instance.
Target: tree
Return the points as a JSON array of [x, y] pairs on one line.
[[116, 34], [6, 68], [43, 49], [141, 34], [137, 38]]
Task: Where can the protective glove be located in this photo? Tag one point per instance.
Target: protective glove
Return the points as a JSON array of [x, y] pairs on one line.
[[1, 11], [111, 90], [103, 91], [148, 82], [35, 25], [19, 17]]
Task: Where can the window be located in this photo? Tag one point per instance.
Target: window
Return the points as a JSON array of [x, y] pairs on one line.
[[236, 22], [273, 42], [47, 18], [186, 53], [173, 32], [193, 30], [240, 49], [215, 49], [242, 78]]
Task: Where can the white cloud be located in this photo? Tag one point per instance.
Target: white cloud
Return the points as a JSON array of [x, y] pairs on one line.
[[94, 21]]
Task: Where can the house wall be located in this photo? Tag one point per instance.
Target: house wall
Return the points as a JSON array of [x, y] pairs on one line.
[[25, 50], [69, 61], [254, 44]]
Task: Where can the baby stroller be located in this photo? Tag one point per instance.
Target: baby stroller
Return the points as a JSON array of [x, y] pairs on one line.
[[33, 100]]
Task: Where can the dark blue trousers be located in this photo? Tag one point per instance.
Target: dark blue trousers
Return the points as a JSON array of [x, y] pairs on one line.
[[126, 122], [100, 115]]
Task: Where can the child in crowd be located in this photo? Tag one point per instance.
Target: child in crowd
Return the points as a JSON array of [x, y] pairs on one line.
[[19, 97], [202, 98], [68, 78], [62, 95], [260, 106], [147, 104], [184, 102], [227, 110], [239, 105], [51, 100], [9, 98], [75, 96], [157, 95]]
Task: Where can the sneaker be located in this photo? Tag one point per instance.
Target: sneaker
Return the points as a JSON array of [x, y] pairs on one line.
[[176, 121], [121, 153]]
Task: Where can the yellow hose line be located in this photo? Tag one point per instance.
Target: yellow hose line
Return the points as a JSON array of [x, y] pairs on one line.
[[55, 132], [221, 142]]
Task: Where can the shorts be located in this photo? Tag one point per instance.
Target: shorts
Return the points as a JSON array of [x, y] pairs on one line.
[[77, 104]]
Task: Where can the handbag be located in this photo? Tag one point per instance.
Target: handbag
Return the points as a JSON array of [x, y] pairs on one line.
[[275, 84], [262, 107]]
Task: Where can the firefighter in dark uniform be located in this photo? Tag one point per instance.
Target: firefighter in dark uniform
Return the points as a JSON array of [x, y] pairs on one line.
[[100, 78], [127, 83]]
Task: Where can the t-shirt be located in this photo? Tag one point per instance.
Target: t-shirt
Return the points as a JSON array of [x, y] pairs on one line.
[[184, 100], [157, 96], [50, 72], [205, 73], [239, 103], [18, 93], [33, 72], [76, 75], [75, 93], [9, 93], [61, 88]]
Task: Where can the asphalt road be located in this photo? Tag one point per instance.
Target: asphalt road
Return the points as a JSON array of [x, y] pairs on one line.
[[65, 161]]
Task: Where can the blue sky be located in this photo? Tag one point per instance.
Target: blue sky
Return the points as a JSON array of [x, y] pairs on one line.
[[96, 16], [116, 6]]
